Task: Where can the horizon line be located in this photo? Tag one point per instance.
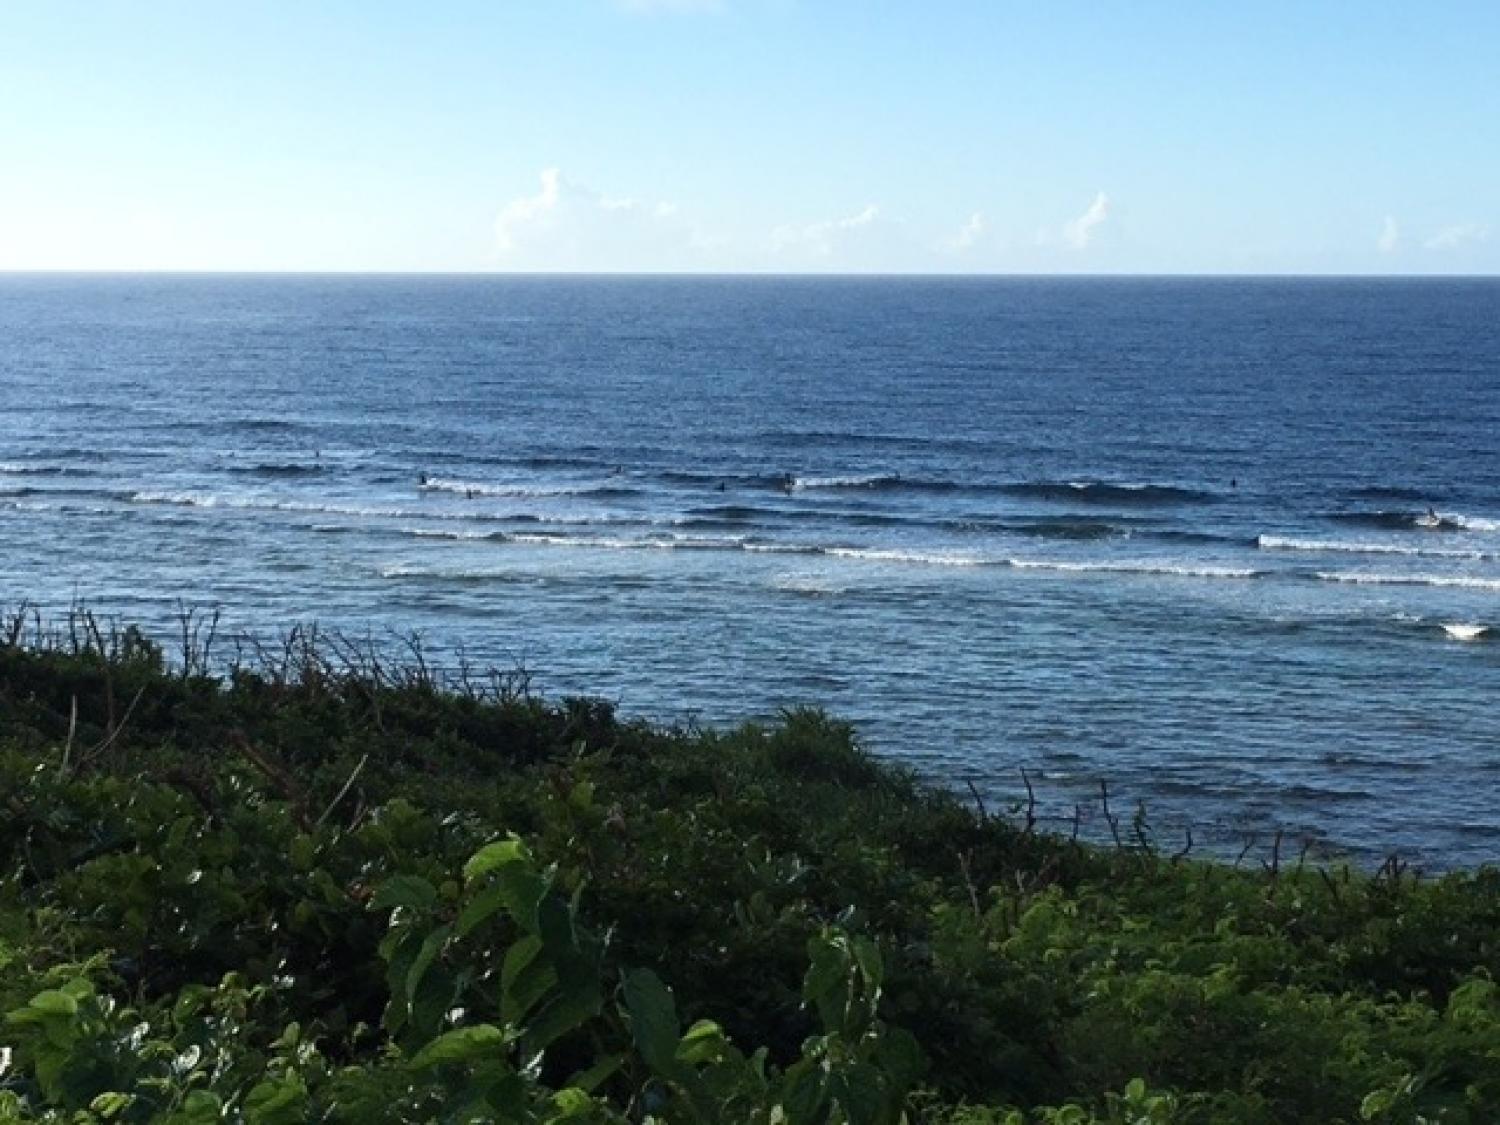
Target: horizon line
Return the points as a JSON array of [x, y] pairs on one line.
[[743, 274]]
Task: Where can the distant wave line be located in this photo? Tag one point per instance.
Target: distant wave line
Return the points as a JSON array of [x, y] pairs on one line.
[[481, 488], [1282, 543], [1374, 578]]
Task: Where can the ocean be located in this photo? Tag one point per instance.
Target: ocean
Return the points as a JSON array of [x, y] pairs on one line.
[[1231, 546]]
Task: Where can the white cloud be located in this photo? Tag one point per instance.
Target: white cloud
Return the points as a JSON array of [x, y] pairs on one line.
[[1078, 232], [969, 234], [569, 226], [1390, 236], [529, 211], [1457, 236], [821, 239]]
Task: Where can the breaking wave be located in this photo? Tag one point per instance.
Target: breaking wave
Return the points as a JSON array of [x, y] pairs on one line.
[[483, 488], [1374, 578], [1281, 543]]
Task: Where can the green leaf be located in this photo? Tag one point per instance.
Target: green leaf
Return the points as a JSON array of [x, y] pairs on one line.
[[826, 985], [859, 1091], [431, 946], [572, 1105], [554, 925], [653, 1020], [404, 890], [704, 1042], [462, 1045], [803, 1093], [109, 1104], [430, 1005], [200, 1108], [480, 909], [493, 856], [281, 1102], [867, 955], [525, 977], [589, 1080], [573, 1006], [54, 1002]]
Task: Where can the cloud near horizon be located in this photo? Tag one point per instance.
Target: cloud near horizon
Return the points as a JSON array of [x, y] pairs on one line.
[[569, 226], [970, 233], [821, 239], [1457, 236], [1079, 232], [1390, 236]]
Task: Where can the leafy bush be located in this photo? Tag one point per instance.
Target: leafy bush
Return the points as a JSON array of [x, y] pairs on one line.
[[324, 892]]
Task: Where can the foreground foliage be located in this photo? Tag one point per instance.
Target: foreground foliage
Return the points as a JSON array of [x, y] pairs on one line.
[[321, 890]]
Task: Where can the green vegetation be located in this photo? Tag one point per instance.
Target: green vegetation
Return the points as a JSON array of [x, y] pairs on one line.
[[320, 889]]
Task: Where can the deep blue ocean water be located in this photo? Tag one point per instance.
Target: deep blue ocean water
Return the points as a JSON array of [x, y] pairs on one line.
[[1232, 545]]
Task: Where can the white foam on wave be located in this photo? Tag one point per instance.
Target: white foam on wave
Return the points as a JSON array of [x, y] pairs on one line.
[[1462, 631], [1375, 578], [1342, 546], [1474, 523], [261, 504], [609, 543], [442, 574], [482, 488], [860, 480], [925, 558], [1165, 570]]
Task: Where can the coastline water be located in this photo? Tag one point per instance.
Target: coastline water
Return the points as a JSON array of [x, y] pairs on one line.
[[1232, 545]]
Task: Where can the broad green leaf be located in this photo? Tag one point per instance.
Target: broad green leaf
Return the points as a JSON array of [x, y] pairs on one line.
[[653, 1020], [859, 1090], [867, 955], [281, 1102], [492, 856], [826, 985], [200, 1108], [572, 1007], [554, 925], [54, 1002], [803, 1093], [462, 1045], [431, 946], [481, 908], [404, 890], [525, 977], [704, 1042]]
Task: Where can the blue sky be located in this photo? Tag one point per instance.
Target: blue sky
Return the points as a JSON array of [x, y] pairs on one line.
[[751, 135]]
